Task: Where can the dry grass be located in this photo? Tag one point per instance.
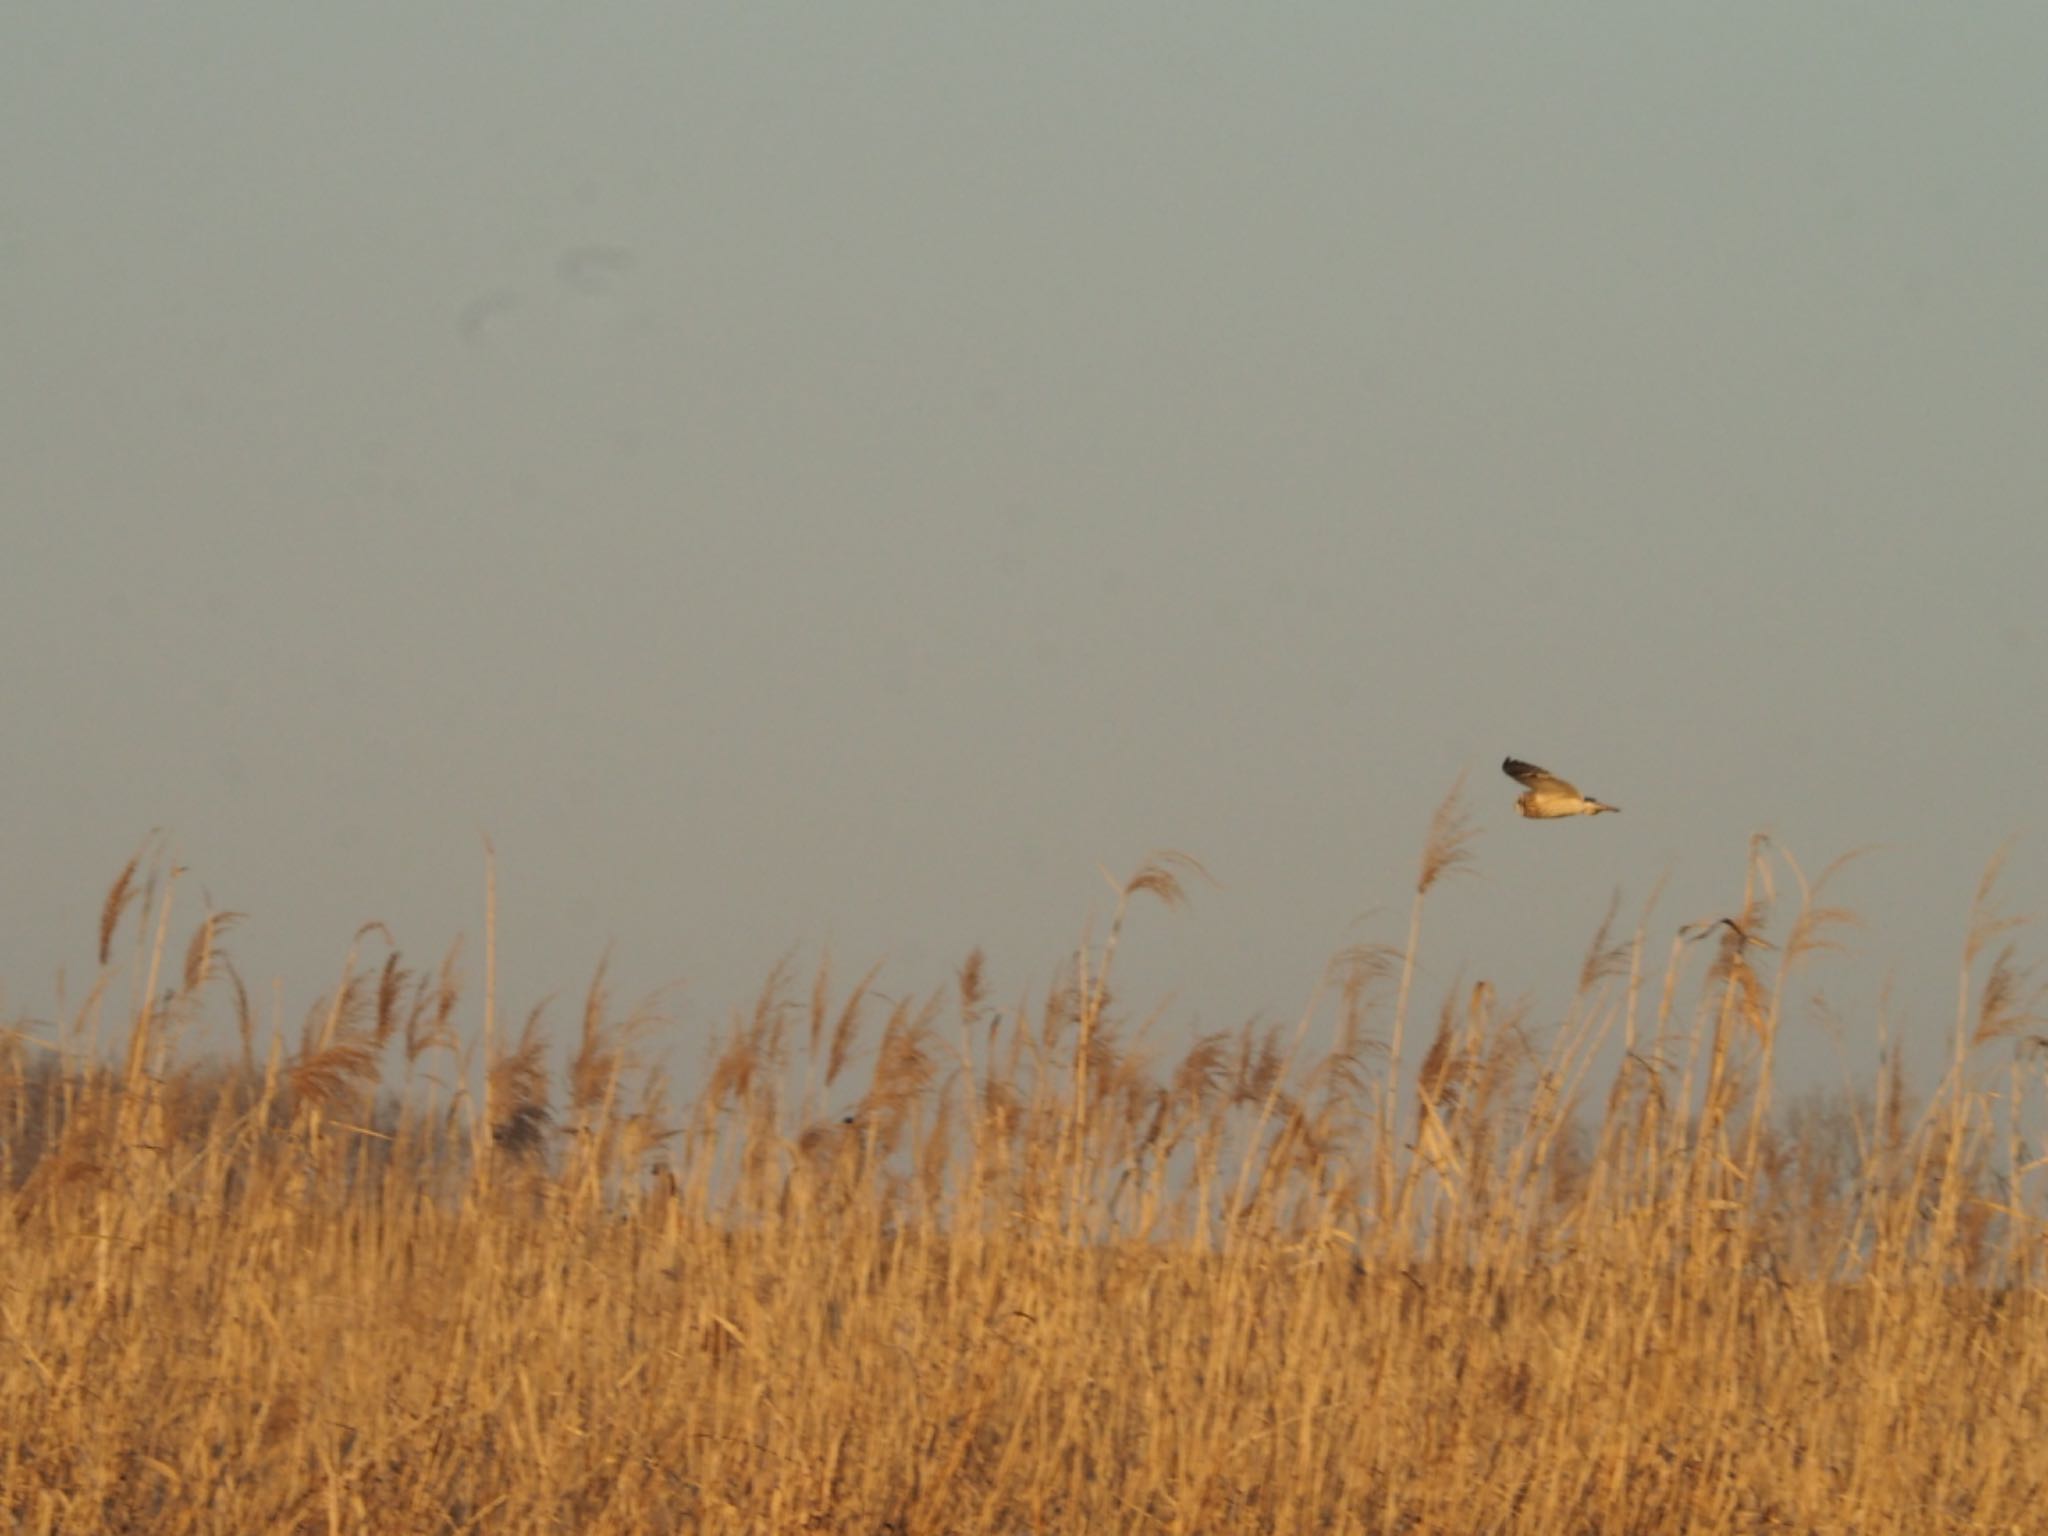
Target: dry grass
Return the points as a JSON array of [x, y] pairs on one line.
[[1026, 1276]]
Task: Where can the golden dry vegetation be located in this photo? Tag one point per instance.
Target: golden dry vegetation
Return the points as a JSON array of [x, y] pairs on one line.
[[951, 1263]]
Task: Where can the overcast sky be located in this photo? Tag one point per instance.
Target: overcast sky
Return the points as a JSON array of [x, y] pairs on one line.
[[845, 474]]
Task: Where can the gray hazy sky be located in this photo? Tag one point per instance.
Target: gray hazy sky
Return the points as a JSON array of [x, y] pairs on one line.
[[803, 475]]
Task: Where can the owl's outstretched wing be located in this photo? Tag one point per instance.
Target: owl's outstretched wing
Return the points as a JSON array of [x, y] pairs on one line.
[[1531, 777]]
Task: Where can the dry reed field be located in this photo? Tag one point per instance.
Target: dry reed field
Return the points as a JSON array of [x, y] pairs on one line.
[[954, 1263]]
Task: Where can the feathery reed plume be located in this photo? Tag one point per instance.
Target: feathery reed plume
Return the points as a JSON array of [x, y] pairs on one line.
[[1260, 1057], [1356, 970], [1001, 1108], [935, 1150], [594, 1071], [1731, 967], [771, 1009], [903, 1070], [391, 985], [334, 1073], [1999, 1001], [1605, 957], [1505, 1049], [429, 1021], [2010, 1000], [519, 1090], [970, 984], [145, 1037], [1815, 927], [1065, 1002], [1161, 876], [119, 895], [1340, 1077], [821, 993], [848, 1028], [245, 1018], [1085, 1000], [1892, 1104], [1813, 932], [374, 927], [1436, 1080], [1448, 848], [202, 952], [1987, 919], [341, 1013], [733, 1073], [1200, 1078]]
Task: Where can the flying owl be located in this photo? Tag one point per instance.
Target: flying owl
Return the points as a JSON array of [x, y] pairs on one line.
[[1549, 795]]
